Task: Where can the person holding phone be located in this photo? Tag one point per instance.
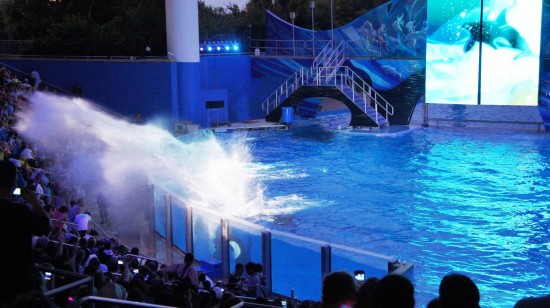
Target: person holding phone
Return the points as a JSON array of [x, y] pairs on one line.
[[18, 223]]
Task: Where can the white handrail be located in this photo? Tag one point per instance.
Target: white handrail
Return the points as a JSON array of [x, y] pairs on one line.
[[296, 80], [347, 77], [327, 69]]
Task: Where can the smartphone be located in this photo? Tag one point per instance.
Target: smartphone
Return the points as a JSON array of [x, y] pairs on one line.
[[359, 275], [120, 262], [136, 271], [47, 275], [17, 191]]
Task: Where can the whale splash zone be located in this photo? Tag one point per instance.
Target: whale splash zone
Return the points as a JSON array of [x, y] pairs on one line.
[[111, 155]]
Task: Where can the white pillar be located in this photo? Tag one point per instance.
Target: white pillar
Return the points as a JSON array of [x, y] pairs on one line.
[[182, 35], [182, 29]]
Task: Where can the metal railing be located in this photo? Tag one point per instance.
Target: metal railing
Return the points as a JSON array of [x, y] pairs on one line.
[[339, 76], [345, 76], [331, 56], [295, 81], [15, 47], [118, 302], [301, 48]]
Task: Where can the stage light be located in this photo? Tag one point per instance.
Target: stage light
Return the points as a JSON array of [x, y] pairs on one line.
[[218, 48], [227, 48], [235, 47], [201, 49], [209, 48]]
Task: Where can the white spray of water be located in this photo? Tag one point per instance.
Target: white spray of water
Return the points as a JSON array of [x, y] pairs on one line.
[[113, 154]]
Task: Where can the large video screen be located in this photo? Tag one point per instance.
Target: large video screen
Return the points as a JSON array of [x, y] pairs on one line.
[[490, 58]]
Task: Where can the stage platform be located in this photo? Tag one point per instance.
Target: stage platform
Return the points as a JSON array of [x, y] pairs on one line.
[[259, 124]]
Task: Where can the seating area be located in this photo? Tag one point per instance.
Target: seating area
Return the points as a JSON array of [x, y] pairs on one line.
[[78, 263]]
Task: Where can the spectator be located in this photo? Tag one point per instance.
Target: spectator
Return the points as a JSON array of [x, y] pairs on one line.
[[35, 79], [82, 222], [185, 272], [17, 225], [393, 291], [59, 220], [102, 205], [534, 302], [253, 283], [458, 291], [234, 283], [338, 290], [364, 294], [74, 210]]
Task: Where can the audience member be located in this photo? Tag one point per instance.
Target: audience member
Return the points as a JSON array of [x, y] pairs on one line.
[[17, 225], [364, 294], [234, 283], [393, 291], [339, 290], [534, 302], [102, 205], [35, 79], [83, 223], [458, 291], [253, 282]]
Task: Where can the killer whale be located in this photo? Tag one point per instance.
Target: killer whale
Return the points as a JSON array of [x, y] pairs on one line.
[[493, 32]]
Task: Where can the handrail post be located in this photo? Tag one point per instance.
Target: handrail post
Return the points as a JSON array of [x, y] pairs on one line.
[[326, 261], [226, 270], [189, 228], [168, 217], [266, 260], [376, 114]]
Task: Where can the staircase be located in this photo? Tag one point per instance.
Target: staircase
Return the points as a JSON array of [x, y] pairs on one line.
[[329, 78]]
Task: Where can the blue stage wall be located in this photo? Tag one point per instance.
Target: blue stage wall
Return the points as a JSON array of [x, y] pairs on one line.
[[123, 87], [127, 87]]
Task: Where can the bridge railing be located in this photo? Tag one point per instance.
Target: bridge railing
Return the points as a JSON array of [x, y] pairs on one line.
[[345, 76], [298, 48], [296, 80]]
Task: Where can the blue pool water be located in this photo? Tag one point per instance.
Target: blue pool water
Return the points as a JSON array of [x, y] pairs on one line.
[[474, 201]]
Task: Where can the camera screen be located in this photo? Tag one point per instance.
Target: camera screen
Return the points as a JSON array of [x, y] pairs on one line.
[[120, 262], [47, 275], [359, 275], [17, 191]]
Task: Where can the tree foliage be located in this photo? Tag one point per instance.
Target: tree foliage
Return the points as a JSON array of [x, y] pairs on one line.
[[125, 27]]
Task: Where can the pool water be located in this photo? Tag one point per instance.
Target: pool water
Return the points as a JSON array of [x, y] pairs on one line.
[[474, 201]]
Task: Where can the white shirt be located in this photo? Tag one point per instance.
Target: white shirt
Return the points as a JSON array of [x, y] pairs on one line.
[[82, 221]]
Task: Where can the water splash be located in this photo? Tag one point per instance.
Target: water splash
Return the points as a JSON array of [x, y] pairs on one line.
[[111, 155]]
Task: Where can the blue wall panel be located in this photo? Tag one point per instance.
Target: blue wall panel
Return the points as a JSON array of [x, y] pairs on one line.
[[124, 87]]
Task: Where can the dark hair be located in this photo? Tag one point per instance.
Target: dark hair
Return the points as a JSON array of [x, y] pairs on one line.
[[364, 294], [394, 291], [457, 290], [338, 287], [189, 258], [8, 174]]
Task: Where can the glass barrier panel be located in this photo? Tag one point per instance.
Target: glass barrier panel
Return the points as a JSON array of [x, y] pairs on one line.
[[179, 234], [245, 243], [350, 259], [207, 234], [159, 204], [296, 264]]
